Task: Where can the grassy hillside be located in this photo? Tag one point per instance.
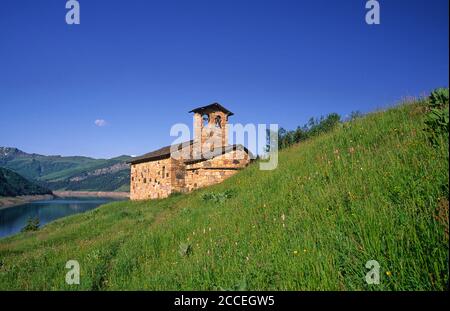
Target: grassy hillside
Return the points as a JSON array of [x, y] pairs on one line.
[[373, 189], [12, 184], [69, 173]]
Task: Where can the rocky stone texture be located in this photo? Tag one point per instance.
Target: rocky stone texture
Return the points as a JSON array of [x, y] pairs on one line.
[[215, 170], [151, 180], [101, 171]]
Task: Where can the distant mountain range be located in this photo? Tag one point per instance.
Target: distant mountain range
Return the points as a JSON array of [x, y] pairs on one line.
[[75, 173], [12, 184]]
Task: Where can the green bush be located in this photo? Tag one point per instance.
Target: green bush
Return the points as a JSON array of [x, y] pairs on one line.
[[437, 119], [439, 98], [313, 128], [218, 197], [32, 224]]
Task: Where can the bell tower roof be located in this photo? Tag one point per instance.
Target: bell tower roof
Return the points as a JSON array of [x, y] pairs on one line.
[[212, 107]]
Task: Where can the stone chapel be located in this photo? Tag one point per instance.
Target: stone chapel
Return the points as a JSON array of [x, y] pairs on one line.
[[206, 160]]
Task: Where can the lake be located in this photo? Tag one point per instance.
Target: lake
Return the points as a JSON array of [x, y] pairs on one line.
[[13, 219]]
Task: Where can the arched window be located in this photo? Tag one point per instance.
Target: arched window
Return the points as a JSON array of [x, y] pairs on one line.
[[218, 122], [205, 119]]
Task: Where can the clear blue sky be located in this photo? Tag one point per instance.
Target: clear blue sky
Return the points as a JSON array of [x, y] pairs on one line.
[[141, 65]]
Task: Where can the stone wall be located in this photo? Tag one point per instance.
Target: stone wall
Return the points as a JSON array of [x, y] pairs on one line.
[[151, 180], [178, 175], [159, 178], [216, 170], [209, 136]]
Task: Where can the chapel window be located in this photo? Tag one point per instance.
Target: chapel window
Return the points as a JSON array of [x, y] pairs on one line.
[[218, 122], [205, 119]]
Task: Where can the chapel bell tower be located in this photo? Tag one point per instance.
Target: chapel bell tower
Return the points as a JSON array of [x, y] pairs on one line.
[[211, 127]]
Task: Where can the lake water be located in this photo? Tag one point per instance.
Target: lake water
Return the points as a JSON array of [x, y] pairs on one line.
[[13, 219]]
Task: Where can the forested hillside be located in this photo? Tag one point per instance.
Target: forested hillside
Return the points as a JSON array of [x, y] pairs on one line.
[[69, 173], [12, 184]]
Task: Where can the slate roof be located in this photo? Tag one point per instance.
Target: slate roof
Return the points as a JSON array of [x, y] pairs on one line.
[[214, 106], [159, 154], [164, 153]]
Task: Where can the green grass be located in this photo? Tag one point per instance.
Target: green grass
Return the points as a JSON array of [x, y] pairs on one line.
[[371, 189]]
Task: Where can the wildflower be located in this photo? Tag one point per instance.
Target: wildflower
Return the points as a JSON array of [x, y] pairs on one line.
[[389, 273], [283, 217], [295, 252], [304, 250]]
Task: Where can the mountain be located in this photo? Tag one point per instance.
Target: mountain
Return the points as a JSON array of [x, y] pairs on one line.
[[69, 173], [373, 188], [12, 184]]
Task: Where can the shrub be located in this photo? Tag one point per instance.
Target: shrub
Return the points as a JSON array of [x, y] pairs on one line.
[[439, 98], [437, 119], [355, 115], [313, 128], [218, 197], [32, 224]]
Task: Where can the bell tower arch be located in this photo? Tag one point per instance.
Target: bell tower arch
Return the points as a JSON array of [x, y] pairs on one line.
[[211, 127]]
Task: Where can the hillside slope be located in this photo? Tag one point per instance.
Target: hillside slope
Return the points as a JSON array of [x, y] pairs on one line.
[[12, 184], [373, 189], [69, 173]]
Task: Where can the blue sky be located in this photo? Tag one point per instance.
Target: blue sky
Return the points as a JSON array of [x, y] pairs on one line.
[[141, 65]]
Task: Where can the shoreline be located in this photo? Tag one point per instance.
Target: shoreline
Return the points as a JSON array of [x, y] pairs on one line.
[[100, 194], [6, 202]]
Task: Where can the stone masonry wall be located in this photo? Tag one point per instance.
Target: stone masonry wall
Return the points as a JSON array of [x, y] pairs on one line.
[[215, 170], [151, 180], [208, 137]]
